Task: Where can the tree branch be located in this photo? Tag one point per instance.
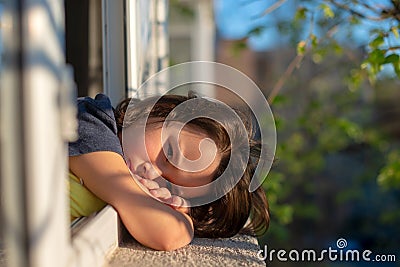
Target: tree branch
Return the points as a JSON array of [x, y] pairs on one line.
[[393, 48], [294, 63], [356, 13], [273, 7], [289, 70]]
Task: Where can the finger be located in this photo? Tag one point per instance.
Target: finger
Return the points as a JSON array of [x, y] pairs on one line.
[[176, 201], [147, 170], [149, 184], [162, 193], [180, 204]]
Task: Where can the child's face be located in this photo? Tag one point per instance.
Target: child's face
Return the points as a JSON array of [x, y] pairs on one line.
[[190, 159]]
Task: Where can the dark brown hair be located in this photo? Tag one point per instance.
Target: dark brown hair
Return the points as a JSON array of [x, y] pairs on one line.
[[227, 215]]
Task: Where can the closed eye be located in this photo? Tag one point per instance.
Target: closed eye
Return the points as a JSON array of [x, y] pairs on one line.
[[170, 152]]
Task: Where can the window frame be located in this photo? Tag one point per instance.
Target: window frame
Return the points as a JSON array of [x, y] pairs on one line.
[[35, 86]]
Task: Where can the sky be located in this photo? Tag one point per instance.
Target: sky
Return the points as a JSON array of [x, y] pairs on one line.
[[235, 18]]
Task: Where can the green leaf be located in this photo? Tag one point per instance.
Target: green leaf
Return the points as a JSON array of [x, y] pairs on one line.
[[328, 13], [314, 41], [392, 58], [337, 48], [279, 99], [256, 31], [279, 123], [351, 129], [355, 79], [396, 67], [317, 58], [301, 14], [238, 47], [354, 20], [377, 57], [389, 176], [395, 31], [378, 41], [301, 48], [284, 213]]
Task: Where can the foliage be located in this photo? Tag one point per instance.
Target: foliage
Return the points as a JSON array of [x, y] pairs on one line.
[[337, 172], [320, 26], [389, 176], [382, 49], [322, 30], [331, 150]]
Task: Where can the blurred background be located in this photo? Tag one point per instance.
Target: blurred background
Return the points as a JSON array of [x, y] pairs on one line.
[[330, 70]]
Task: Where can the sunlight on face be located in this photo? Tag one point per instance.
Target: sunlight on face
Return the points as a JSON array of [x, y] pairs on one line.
[[186, 157], [192, 151]]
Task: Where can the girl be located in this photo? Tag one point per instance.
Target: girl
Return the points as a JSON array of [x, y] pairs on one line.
[[97, 159]]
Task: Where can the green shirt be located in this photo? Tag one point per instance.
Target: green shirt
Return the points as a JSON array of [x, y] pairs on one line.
[[82, 201]]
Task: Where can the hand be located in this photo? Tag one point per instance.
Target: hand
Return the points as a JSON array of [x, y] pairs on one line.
[[164, 195]]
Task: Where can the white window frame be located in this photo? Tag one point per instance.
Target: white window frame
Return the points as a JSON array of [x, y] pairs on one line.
[[201, 33], [114, 79], [34, 82], [147, 44]]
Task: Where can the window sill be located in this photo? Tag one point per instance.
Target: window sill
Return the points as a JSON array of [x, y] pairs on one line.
[[240, 250], [98, 241], [94, 238]]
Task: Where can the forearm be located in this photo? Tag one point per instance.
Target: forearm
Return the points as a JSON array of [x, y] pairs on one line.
[[151, 222]]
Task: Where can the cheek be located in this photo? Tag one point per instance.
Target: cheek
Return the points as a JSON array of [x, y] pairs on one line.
[[152, 151], [133, 145], [153, 145]]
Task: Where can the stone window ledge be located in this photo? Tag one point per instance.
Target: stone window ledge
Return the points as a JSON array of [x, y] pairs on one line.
[[240, 250]]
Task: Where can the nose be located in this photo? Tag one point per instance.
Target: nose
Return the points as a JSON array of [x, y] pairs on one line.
[[151, 172], [148, 171]]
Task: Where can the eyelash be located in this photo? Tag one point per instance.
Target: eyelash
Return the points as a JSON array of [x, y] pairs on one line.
[[169, 152]]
